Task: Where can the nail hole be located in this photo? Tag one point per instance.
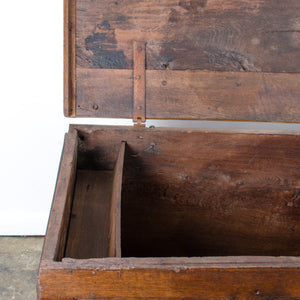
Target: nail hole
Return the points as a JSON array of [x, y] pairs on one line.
[[165, 66], [95, 107], [164, 82]]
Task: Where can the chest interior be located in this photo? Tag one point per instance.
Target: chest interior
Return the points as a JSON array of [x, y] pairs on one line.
[[184, 193]]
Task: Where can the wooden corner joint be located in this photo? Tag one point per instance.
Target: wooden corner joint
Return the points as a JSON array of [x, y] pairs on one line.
[[139, 83]]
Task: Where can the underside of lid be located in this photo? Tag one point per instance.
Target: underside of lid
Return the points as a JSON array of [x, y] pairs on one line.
[[178, 59]]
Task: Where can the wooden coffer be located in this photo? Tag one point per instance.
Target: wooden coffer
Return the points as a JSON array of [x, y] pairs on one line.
[[173, 213]]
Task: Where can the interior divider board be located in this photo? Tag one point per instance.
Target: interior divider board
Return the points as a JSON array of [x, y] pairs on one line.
[[188, 94], [115, 211], [94, 229]]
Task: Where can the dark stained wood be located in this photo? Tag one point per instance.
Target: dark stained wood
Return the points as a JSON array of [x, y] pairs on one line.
[[69, 58], [217, 35], [115, 210], [56, 235], [88, 234], [192, 95]]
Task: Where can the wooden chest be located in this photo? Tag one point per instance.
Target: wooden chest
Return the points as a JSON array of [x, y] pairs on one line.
[[160, 213]]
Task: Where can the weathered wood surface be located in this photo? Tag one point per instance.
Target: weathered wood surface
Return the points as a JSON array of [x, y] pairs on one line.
[[54, 245], [189, 282], [88, 235], [191, 193], [115, 207], [191, 95], [69, 58], [231, 35], [104, 93], [252, 36]]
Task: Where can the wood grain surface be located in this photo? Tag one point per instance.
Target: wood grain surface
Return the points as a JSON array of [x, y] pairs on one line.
[[188, 283], [139, 82], [252, 35], [227, 36], [69, 58], [115, 206], [88, 233], [193, 193], [191, 95], [57, 229]]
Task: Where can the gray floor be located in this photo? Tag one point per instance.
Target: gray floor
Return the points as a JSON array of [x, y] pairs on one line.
[[19, 261]]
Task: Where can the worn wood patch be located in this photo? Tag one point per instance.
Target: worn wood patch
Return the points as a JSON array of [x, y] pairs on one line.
[[104, 93], [191, 95], [252, 35]]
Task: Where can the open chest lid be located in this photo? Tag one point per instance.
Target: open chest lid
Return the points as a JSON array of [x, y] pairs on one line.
[[179, 59]]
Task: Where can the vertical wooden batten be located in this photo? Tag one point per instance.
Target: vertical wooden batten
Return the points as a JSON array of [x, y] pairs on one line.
[[139, 82], [69, 58]]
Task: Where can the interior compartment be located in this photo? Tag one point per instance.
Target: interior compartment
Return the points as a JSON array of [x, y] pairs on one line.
[[89, 220], [185, 193]]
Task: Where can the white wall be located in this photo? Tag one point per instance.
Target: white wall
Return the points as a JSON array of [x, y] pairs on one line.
[[32, 121]]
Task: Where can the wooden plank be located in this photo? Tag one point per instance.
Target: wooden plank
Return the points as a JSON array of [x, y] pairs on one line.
[[223, 96], [90, 217], [56, 235], [69, 58], [115, 210], [104, 93], [255, 35], [192, 95], [178, 283]]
